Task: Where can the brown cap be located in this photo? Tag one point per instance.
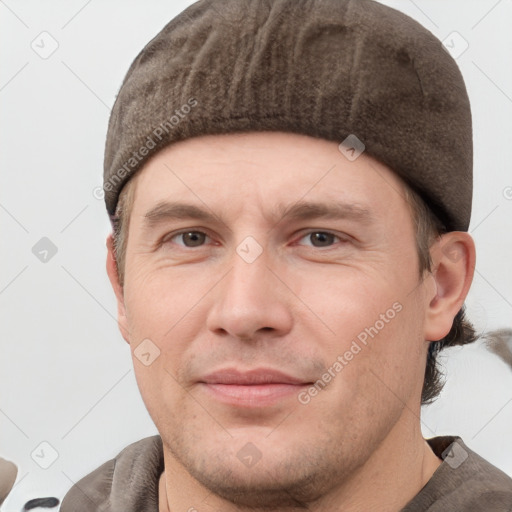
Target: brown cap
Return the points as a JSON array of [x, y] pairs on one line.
[[323, 68]]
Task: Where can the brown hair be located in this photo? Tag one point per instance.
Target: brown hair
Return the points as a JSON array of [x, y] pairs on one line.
[[121, 224], [428, 229]]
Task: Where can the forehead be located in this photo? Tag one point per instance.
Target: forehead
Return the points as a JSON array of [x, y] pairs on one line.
[[265, 171]]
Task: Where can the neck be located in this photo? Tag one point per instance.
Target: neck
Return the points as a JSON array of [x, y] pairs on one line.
[[396, 471]]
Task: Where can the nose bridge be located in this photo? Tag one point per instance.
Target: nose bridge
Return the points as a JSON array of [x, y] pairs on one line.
[[249, 298], [247, 286]]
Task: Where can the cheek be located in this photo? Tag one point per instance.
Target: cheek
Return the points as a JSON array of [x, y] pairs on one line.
[[166, 312], [161, 301], [350, 300], [388, 369], [374, 337], [164, 398]]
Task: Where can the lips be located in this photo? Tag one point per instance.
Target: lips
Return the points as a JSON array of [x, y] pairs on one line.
[[251, 378], [254, 388]]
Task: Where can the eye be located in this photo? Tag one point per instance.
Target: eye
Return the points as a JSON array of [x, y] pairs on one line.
[[190, 238], [320, 239]]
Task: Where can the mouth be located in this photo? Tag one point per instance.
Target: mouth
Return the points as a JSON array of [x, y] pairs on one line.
[[260, 387]]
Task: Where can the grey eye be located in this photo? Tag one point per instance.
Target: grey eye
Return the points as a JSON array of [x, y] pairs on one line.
[[192, 238], [321, 239]]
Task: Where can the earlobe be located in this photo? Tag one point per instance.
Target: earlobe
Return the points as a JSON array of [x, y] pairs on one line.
[[113, 276], [453, 258]]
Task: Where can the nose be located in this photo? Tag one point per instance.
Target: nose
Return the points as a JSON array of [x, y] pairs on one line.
[[250, 302]]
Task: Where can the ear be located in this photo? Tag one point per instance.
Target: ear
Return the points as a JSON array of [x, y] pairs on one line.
[[113, 276], [453, 262]]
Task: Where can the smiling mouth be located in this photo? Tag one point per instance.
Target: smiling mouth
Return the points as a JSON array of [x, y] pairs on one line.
[[254, 388]]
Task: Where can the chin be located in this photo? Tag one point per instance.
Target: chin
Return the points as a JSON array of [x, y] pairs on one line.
[[266, 487], [285, 475]]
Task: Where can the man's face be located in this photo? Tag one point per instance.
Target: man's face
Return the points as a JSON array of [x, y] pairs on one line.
[[260, 264]]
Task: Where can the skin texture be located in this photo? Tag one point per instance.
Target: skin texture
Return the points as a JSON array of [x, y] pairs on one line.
[[357, 443]]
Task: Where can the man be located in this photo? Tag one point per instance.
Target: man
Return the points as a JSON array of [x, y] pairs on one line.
[[290, 190]]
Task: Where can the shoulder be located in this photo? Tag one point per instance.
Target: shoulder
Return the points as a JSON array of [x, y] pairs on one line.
[[464, 482], [127, 482]]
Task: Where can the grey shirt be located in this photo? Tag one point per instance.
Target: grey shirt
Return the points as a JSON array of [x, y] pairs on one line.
[[464, 482]]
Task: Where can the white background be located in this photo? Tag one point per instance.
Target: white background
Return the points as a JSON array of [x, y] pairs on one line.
[[65, 372]]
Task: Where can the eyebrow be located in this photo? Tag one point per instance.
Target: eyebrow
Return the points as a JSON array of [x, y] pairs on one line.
[[305, 210], [300, 211], [176, 211]]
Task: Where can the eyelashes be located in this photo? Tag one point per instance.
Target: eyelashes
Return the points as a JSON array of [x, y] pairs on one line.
[[192, 238], [322, 238]]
